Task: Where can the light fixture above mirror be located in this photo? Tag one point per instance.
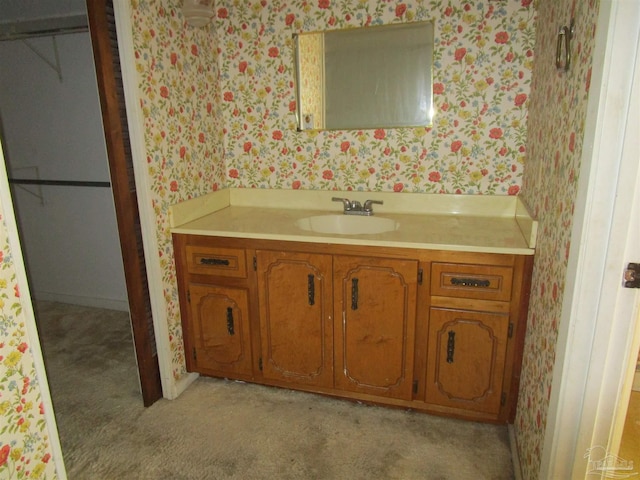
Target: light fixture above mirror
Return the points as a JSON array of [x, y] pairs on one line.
[[361, 78], [197, 13]]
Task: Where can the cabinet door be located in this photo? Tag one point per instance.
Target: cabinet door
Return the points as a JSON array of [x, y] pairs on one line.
[[220, 329], [295, 297], [466, 359], [375, 325]]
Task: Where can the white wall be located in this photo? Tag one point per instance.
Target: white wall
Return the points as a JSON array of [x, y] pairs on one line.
[[70, 235]]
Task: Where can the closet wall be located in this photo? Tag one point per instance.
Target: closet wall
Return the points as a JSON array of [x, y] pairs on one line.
[[52, 130]]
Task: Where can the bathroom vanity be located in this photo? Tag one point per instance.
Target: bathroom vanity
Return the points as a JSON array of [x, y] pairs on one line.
[[428, 313]]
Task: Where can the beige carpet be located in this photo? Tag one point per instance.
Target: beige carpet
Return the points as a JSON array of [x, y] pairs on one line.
[[230, 430]]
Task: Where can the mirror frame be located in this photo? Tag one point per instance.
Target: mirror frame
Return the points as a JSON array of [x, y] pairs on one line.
[[298, 78]]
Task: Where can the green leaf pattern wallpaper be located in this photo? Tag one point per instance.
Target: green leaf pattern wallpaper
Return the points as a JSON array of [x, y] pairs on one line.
[[25, 449], [557, 114]]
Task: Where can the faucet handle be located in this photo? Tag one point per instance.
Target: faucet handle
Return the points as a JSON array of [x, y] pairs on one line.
[[367, 205], [345, 202]]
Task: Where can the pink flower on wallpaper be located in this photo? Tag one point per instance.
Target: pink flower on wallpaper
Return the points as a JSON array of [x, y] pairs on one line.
[[520, 99], [332, 20], [164, 92], [233, 173], [448, 11], [296, 185], [379, 134], [174, 58], [324, 3], [572, 141], [173, 186], [502, 37], [247, 147], [194, 50], [277, 135], [16, 291], [228, 96], [510, 56], [22, 347], [526, 3], [400, 9], [274, 52], [513, 190], [434, 176], [223, 13], [327, 174], [398, 187], [503, 151], [438, 88], [288, 20], [344, 146], [495, 133], [46, 458], [4, 454], [456, 145], [292, 106], [460, 53], [201, 137], [242, 66]]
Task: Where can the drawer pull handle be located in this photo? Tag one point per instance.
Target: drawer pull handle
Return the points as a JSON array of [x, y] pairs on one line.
[[354, 294], [214, 261], [451, 346], [311, 289], [230, 327], [469, 282]]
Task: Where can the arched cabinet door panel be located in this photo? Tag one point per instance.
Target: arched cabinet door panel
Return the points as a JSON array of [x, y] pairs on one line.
[[295, 298], [466, 359], [220, 329], [374, 325]]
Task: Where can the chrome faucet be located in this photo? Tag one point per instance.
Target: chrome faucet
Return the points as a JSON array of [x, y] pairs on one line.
[[355, 207]]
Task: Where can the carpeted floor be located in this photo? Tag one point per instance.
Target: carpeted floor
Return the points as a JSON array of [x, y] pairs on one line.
[[224, 430]]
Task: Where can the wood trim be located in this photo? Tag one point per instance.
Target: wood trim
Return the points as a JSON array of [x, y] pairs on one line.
[[107, 63]]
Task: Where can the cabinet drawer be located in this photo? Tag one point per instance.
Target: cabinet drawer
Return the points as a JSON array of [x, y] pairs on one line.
[[225, 262], [483, 282]]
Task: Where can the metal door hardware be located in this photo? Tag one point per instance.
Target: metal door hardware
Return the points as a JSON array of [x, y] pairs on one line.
[[632, 275]]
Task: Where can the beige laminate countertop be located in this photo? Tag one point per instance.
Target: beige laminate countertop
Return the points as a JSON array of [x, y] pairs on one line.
[[500, 226]]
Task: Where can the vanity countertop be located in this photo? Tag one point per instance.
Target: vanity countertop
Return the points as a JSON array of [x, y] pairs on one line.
[[487, 224]]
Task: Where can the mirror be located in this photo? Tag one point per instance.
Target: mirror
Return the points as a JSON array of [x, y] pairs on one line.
[[361, 78]]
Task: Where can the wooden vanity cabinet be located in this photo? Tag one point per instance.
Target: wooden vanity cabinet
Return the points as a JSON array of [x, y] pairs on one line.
[[430, 330], [475, 334], [214, 303]]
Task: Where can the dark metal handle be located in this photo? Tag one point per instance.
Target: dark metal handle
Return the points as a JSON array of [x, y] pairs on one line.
[[470, 282], [214, 261], [451, 346], [311, 289], [230, 327], [354, 294]]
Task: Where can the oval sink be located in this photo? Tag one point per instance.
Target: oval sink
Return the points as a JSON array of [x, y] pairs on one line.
[[347, 224]]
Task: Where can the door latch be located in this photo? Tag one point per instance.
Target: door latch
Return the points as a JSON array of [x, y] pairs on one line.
[[632, 275]]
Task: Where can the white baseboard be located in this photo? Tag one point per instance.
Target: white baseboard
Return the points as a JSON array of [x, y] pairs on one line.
[[515, 458], [107, 303]]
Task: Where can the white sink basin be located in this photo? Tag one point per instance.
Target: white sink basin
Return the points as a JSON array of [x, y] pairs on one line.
[[347, 224]]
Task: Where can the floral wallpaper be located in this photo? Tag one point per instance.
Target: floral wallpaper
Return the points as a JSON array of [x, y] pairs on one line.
[[219, 106], [557, 113], [476, 145], [25, 449], [179, 98]]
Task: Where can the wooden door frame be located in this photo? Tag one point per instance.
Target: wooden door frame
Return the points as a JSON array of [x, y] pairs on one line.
[[123, 184]]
